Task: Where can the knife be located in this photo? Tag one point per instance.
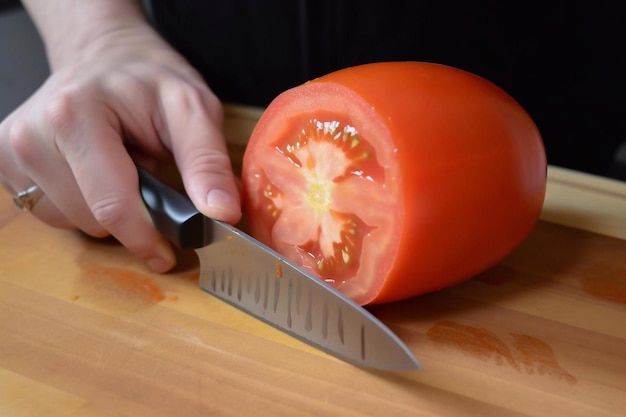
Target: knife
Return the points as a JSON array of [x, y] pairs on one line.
[[249, 275]]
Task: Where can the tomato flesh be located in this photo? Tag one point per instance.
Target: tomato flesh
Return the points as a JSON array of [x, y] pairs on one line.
[[322, 167], [394, 179]]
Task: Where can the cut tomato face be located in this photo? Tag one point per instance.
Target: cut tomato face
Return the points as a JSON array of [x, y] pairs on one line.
[[387, 181], [312, 193]]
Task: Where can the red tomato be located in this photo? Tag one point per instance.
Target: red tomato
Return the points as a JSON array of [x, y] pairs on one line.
[[394, 179]]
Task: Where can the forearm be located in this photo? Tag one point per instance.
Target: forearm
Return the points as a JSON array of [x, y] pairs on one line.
[[69, 26]]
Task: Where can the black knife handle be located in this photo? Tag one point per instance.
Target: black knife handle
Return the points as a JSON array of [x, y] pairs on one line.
[[173, 214]]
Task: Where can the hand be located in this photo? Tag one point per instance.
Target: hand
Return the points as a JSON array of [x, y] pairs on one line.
[[126, 90]]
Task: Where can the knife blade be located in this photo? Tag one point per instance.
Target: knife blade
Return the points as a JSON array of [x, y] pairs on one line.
[[254, 278]]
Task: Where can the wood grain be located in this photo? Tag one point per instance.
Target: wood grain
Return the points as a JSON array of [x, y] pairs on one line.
[[586, 202], [87, 330]]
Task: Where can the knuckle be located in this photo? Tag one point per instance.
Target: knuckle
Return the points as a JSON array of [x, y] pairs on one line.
[[192, 98], [208, 162], [26, 151], [216, 159], [121, 84], [21, 139], [61, 112], [109, 211]]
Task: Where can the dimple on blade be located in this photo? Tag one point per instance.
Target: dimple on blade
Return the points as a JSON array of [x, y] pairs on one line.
[[263, 284]]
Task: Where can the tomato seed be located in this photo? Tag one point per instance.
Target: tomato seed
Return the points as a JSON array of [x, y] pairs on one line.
[[345, 256]]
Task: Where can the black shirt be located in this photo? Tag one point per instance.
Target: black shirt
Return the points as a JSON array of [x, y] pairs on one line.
[[563, 61]]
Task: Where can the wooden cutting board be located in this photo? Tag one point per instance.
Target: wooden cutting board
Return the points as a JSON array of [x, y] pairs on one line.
[[87, 330]]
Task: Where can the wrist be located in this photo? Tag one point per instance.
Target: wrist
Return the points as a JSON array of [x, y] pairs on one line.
[[71, 27]]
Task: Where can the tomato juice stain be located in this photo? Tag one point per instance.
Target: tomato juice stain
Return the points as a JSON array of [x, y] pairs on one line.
[[537, 357], [130, 282], [526, 354], [605, 282], [192, 276], [475, 341]]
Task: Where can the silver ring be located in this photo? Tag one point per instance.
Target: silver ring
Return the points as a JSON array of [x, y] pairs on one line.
[[25, 200]]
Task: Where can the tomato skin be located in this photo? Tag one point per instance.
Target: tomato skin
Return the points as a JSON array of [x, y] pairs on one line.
[[469, 161]]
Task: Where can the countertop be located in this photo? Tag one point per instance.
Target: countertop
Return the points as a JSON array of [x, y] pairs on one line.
[[87, 330]]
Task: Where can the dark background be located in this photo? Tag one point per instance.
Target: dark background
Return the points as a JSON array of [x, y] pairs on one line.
[[562, 60], [8, 3]]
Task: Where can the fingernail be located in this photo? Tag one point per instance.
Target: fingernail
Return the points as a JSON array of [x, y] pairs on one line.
[[163, 261], [160, 265], [221, 200]]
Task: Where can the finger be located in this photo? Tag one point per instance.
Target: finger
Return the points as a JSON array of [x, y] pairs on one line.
[[193, 118], [108, 180], [33, 162]]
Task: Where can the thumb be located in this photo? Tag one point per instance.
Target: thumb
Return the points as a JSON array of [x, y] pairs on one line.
[[211, 184], [197, 142]]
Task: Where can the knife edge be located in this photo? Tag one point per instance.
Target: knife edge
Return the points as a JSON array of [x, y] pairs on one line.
[[296, 301]]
